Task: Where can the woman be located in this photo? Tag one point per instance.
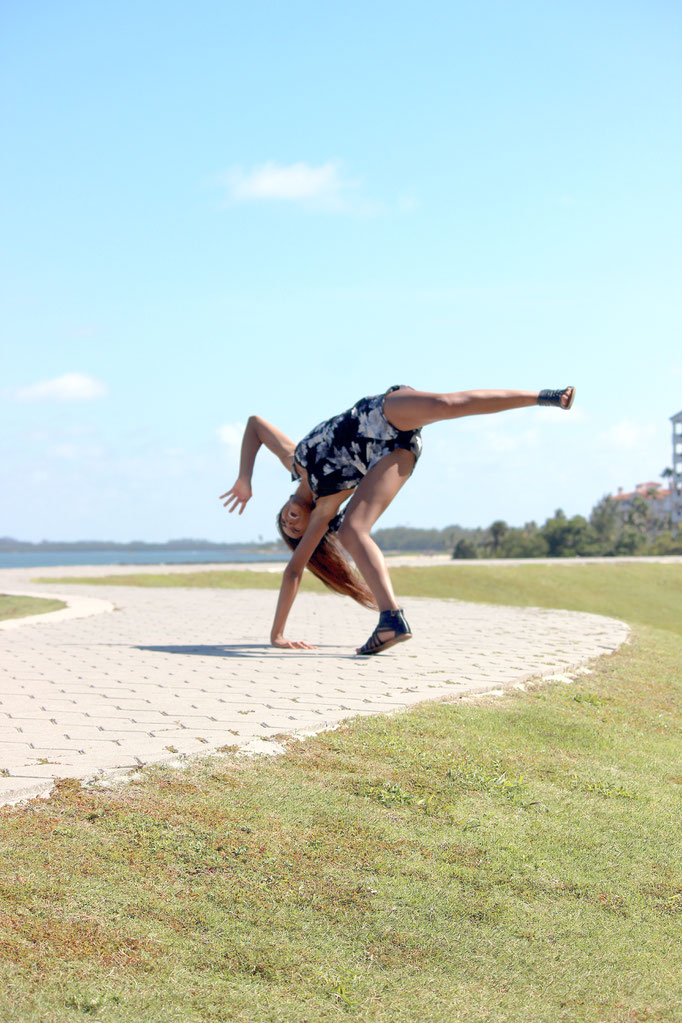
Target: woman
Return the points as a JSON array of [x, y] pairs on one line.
[[366, 454]]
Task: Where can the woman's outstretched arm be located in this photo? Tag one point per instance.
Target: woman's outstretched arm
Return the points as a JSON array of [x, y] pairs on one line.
[[258, 432], [293, 573]]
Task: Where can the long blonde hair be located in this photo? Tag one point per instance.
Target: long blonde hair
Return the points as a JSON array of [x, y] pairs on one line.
[[331, 566]]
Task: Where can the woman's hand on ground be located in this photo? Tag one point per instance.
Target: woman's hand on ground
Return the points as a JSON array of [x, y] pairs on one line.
[[237, 496], [290, 644]]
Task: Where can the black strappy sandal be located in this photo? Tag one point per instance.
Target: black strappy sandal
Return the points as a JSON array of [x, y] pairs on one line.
[[554, 398], [393, 621]]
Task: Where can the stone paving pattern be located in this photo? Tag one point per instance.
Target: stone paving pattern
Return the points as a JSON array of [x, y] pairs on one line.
[[129, 676]]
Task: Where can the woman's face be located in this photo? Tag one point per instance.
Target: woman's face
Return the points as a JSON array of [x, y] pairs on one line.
[[295, 518]]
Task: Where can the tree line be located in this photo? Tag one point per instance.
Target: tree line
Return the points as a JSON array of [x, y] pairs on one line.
[[611, 529]]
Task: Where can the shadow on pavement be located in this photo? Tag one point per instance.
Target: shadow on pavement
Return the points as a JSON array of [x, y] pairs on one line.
[[259, 650]]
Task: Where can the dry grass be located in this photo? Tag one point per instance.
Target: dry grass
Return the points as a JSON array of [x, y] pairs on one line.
[[21, 607]]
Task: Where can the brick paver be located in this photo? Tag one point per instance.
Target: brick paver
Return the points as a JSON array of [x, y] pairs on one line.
[[130, 676]]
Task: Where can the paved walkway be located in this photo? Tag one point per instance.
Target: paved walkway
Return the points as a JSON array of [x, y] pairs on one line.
[[127, 676]]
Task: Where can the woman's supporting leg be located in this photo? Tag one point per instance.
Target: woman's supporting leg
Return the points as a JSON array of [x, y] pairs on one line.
[[409, 410], [370, 500]]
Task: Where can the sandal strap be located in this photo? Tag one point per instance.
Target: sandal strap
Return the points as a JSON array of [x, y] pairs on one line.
[[549, 397], [393, 620], [372, 644]]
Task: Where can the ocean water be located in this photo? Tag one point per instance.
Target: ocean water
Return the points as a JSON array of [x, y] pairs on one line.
[[50, 559]]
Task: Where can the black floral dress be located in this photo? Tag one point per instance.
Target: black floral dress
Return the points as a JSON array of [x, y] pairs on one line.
[[339, 452]]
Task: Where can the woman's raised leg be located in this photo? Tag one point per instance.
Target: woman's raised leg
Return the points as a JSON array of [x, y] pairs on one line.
[[409, 410]]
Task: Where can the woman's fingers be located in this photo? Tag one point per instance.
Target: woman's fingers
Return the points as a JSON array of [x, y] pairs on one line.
[[234, 500], [237, 495]]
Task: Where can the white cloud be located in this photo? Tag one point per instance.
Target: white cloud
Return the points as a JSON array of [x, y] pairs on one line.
[[78, 452], [69, 387], [293, 182], [504, 442], [407, 203], [487, 434], [231, 434], [322, 187], [629, 434]]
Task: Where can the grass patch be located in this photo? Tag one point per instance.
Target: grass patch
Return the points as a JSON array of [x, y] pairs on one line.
[[216, 579], [21, 607], [460, 862], [457, 863], [646, 594]]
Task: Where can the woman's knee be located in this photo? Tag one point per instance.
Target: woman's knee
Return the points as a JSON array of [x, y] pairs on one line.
[[349, 535], [345, 535]]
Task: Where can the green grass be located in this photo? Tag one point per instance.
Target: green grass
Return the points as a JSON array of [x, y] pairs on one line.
[[20, 607], [648, 594], [496, 860], [228, 579]]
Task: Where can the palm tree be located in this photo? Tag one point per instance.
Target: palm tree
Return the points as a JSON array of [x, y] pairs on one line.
[[497, 531]]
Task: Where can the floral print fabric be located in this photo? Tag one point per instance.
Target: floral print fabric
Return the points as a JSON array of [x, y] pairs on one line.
[[338, 453]]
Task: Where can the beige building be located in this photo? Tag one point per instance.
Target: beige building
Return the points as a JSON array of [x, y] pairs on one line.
[[659, 499]]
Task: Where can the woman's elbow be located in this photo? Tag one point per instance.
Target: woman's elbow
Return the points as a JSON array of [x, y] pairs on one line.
[[253, 426], [292, 575]]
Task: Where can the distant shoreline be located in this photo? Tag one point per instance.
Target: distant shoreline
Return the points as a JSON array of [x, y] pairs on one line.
[[53, 555], [8, 546]]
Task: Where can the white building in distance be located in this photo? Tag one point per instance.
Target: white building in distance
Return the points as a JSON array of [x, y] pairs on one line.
[[665, 504], [676, 479]]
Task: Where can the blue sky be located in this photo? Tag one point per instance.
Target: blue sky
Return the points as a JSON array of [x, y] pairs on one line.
[[219, 209]]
